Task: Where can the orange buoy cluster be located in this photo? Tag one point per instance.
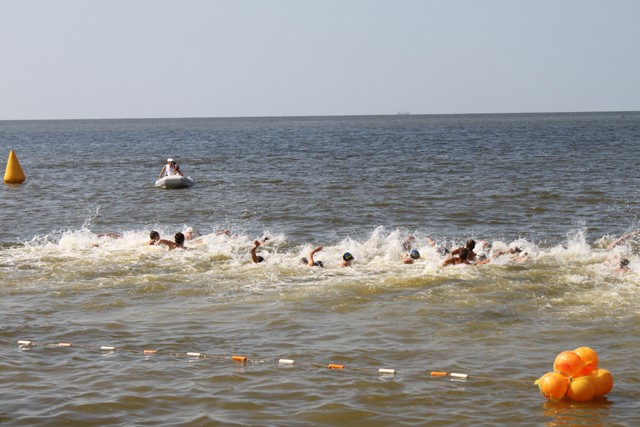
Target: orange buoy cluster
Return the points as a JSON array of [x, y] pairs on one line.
[[575, 376]]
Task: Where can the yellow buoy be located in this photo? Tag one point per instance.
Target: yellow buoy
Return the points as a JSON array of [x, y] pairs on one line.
[[13, 174]]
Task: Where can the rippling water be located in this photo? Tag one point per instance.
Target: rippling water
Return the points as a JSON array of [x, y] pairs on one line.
[[560, 186]]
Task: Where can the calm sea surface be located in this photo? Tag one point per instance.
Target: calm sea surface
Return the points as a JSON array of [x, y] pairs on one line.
[[559, 186]]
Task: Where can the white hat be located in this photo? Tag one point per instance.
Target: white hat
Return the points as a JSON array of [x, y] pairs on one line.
[[169, 160], [188, 230]]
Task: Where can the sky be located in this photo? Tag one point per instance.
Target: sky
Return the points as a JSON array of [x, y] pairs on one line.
[[80, 59]]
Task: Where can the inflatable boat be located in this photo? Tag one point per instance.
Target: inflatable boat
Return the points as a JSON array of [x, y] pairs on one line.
[[175, 181]]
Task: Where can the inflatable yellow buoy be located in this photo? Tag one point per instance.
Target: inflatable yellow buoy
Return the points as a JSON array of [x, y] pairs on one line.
[[13, 174]]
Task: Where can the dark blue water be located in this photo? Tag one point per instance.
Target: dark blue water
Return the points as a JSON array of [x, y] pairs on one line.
[[536, 176]]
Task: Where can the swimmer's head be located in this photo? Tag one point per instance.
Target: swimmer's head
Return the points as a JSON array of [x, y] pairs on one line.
[[624, 263], [471, 244], [169, 160], [347, 257], [304, 261], [259, 258], [179, 238], [318, 264], [154, 235], [443, 251], [414, 254]]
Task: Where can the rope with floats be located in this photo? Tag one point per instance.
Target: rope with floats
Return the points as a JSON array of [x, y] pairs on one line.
[[239, 359]]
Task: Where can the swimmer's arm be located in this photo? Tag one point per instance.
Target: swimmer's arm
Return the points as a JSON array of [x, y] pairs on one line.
[[254, 257]]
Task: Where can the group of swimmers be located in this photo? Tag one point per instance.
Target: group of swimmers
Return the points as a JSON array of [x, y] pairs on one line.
[[461, 255], [179, 239], [308, 261]]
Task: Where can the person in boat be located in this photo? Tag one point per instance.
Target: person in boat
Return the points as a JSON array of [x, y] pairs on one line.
[[460, 258], [254, 257], [347, 259], [178, 242], [411, 257], [170, 169], [154, 238], [309, 261]]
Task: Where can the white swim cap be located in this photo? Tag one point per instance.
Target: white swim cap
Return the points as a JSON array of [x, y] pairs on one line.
[[169, 160]]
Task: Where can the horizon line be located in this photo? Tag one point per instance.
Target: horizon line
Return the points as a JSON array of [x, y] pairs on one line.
[[398, 114]]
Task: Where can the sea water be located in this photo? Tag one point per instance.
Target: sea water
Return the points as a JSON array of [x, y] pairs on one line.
[[561, 187]]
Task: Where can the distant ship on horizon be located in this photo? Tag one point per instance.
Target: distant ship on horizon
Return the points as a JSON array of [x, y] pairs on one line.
[[403, 113]]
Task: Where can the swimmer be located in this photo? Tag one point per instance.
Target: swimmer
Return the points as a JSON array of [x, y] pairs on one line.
[[154, 237], [411, 257], [347, 259], [470, 245], [511, 251], [440, 249], [177, 244], [482, 259], [408, 243], [516, 252], [309, 261], [623, 267], [461, 258], [111, 235], [622, 239], [256, 258], [188, 233]]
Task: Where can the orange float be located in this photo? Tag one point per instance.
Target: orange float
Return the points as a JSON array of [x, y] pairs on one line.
[[553, 385], [589, 357], [602, 381], [568, 363], [581, 389]]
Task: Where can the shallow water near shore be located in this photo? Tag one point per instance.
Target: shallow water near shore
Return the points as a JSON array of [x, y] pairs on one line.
[[561, 187]]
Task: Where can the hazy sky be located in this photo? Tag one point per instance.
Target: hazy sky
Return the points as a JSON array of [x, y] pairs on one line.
[[219, 58]]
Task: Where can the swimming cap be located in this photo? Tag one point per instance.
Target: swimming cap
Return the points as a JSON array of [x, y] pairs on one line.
[[347, 256], [414, 254], [169, 160], [318, 264]]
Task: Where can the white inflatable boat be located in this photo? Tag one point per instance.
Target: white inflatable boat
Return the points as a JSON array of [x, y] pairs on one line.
[[175, 181]]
